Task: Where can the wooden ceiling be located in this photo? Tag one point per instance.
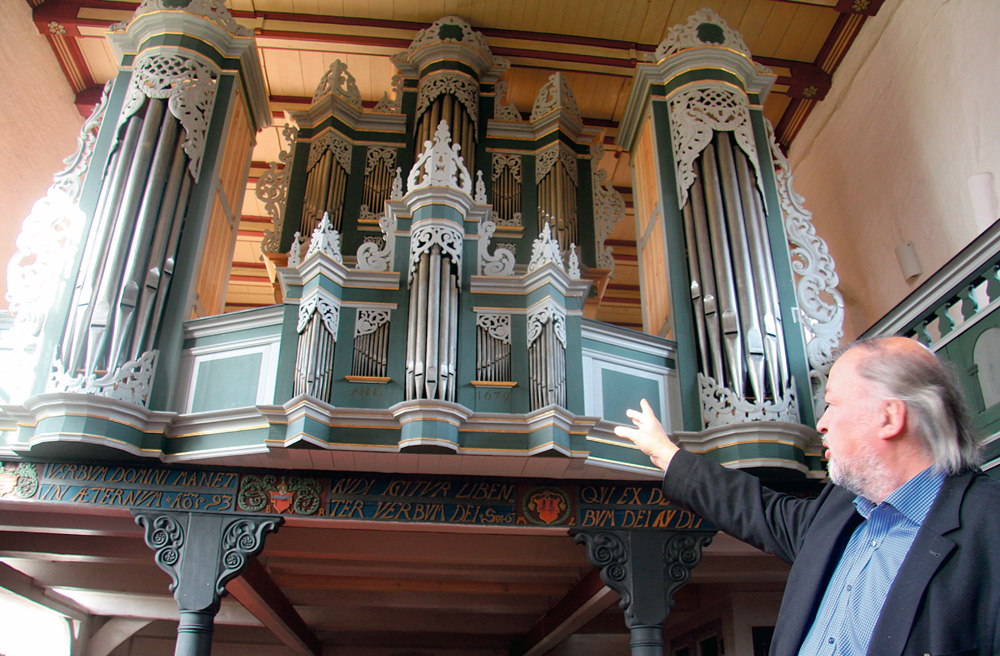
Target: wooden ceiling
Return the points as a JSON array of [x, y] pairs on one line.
[[332, 588], [596, 44]]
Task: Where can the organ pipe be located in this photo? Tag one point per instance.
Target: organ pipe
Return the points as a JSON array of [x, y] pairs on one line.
[[128, 261], [448, 107], [733, 289]]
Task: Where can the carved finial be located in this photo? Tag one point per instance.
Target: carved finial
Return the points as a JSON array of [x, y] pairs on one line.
[[545, 249], [555, 94], [395, 106], [295, 252], [325, 239], [503, 107], [573, 269], [440, 165], [480, 188], [338, 81], [704, 28], [397, 185]]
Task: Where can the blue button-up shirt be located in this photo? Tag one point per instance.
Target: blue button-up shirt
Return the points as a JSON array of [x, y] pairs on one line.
[[854, 598]]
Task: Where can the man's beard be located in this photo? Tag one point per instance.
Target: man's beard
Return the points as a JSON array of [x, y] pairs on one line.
[[864, 475]]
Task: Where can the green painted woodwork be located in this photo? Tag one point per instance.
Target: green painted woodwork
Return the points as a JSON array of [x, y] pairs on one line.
[[295, 198], [586, 249], [627, 353], [621, 391], [182, 287], [677, 271], [426, 429], [451, 65], [350, 237], [287, 352], [575, 401], [795, 346], [737, 453], [227, 383]]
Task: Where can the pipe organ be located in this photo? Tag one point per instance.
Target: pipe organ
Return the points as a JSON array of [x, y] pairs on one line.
[[716, 233], [449, 243], [164, 192]]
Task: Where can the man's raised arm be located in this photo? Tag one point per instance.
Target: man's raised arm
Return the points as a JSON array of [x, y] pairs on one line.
[[649, 436]]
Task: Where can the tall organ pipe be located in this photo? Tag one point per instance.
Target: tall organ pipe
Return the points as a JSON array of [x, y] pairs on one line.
[[729, 312], [742, 267]]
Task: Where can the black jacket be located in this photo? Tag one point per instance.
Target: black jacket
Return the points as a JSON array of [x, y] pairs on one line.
[[945, 599]]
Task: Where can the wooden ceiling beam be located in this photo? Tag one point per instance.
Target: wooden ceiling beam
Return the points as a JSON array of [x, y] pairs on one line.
[[585, 601], [25, 586], [260, 595], [397, 584]]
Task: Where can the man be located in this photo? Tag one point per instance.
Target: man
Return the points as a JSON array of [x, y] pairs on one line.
[[901, 553]]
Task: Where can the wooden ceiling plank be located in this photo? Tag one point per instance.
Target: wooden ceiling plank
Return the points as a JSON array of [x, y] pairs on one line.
[[775, 28], [798, 30], [260, 595], [820, 32], [585, 601]]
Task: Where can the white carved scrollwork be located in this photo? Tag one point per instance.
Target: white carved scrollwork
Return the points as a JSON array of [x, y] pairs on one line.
[[540, 315], [501, 162], [340, 147], [821, 304], [609, 206], [49, 236], [213, 10], [433, 34], [190, 87], [338, 81], [573, 265], [545, 249], [130, 383], [373, 258], [555, 94], [422, 238], [377, 155], [368, 321], [480, 189], [693, 35], [295, 250], [503, 108], [272, 190], [328, 307], [463, 88], [496, 326], [440, 165], [695, 114], [501, 263], [396, 193], [721, 407], [394, 106], [557, 152], [325, 240]]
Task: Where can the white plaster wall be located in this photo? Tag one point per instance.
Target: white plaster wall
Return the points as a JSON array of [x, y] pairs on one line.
[[38, 123], [906, 147]]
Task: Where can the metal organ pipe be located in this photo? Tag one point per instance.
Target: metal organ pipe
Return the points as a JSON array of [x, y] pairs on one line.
[[733, 291]]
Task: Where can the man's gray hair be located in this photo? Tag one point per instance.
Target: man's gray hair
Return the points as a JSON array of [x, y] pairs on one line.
[[933, 397]]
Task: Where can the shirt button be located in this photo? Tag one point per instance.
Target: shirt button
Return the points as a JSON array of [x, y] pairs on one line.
[[831, 640], [849, 588], [874, 542]]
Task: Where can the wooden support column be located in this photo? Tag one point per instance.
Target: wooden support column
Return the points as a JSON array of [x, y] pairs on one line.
[[202, 552], [645, 567]]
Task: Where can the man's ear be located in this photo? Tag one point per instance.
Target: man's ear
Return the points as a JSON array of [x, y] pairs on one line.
[[893, 418]]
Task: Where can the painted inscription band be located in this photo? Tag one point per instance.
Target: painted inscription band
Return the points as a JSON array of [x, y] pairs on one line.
[[361, 497]]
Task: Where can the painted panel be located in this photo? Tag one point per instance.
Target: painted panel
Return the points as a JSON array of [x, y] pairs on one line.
[[226, 383]]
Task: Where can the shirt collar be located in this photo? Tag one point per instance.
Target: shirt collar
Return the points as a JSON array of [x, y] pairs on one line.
[[913, 499]]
